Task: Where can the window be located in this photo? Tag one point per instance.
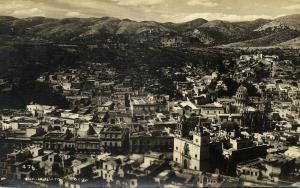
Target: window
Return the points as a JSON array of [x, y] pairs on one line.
[[195, 168], [196, 140], [176, 148], [132, 183], [105, 167], [196, 156], [176, 159]]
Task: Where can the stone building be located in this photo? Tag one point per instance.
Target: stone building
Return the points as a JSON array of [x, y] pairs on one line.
[[114, 139], [192, 154]]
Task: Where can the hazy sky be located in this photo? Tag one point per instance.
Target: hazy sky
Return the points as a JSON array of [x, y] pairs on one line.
[[157, 10]]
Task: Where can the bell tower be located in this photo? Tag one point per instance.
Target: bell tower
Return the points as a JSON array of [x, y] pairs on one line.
[[180, 127]]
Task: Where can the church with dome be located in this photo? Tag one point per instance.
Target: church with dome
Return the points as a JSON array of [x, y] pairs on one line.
[[241, 96]]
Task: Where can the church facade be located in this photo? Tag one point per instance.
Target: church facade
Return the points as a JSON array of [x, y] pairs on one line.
[[192, 154]]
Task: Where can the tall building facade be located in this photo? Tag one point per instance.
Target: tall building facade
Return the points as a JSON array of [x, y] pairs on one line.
[[192, 153]]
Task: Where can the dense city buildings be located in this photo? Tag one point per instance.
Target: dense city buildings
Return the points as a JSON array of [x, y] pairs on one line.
[[118, 134], [114, 102]]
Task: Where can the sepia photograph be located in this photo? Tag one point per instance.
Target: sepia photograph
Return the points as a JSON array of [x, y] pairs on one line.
[[149, 93]]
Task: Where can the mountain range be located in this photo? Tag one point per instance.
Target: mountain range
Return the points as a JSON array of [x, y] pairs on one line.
[[280, 32]]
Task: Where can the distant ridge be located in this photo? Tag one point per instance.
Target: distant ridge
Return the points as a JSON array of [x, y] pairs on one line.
[[260, 32]]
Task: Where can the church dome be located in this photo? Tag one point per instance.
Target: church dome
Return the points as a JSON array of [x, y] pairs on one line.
[[242, 90], [241, 96]]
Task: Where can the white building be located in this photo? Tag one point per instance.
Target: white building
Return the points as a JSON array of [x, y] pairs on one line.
[[192, 154]]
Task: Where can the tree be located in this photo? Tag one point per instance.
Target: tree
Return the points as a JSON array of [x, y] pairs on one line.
[[232, 87], [256, 121], [91, 130], [252, 90], [69, 134]]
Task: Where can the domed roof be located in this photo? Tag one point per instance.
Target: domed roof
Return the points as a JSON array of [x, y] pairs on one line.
[[242, 90]]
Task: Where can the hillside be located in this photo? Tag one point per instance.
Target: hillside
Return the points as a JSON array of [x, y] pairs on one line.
[[265, 41], [291, 21], [294, 43], [259, 32]]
